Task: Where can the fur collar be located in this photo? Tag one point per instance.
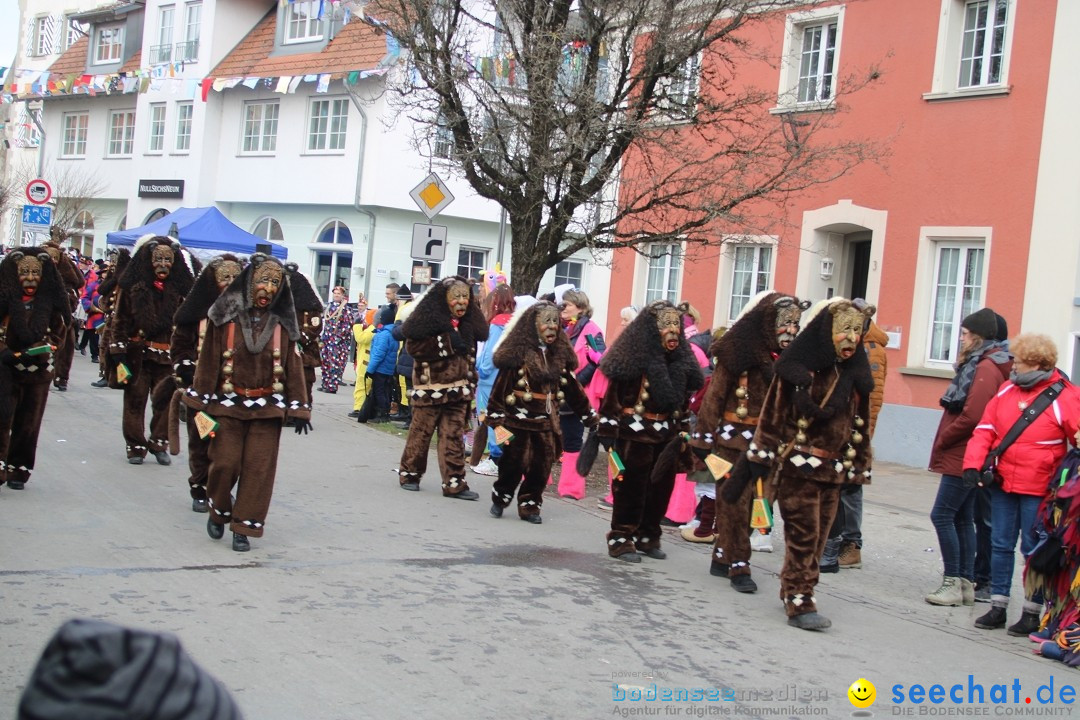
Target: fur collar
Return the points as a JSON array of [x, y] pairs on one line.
[[751, 341], [519, 346], [432, 316]]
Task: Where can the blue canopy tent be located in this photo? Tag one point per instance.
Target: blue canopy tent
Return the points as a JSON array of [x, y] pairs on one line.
[[204, 231]]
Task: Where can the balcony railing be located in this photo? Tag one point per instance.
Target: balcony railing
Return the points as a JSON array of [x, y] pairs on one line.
[[160, 54], [187, 51]]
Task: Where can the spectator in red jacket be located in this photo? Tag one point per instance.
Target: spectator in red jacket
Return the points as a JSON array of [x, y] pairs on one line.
[[1024, 468]]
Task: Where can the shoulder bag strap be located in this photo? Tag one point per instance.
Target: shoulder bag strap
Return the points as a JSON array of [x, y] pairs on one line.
[[1043, 401]]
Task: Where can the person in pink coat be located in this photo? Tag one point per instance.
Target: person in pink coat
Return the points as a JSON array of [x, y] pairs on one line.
[[588, 342], [1024, 468]]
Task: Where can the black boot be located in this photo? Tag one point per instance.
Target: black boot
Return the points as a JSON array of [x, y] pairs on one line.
[[240, 543], [1027, 624], [719, 569], [743, 584], [993, 620], [215, 531]]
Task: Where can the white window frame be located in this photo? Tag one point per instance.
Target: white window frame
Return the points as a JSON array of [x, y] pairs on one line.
[[762, 271], [945, 83], [189, 50], [472, 271], [327, 134], [564, 277], [73, 30], [185, 118], [155, 140], [336, 248], [678, 94], [300, 28], [667, 260], [961, 307], [269, 222], [115, 46], [75, 127], [931, 240], [44, 30], [162, 51], [795, 26], [120, 142], [259, 128], [436, 274]]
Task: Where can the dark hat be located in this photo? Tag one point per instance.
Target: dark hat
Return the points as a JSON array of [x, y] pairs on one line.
[[387, 315], [983, 323], [1002, 329], [404, 293]]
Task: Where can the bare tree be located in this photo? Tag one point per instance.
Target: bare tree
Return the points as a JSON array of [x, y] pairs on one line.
[[539, 104], [74, 190]]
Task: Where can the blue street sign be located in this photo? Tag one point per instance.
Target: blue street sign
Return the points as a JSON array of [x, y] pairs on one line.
[[37, 217]]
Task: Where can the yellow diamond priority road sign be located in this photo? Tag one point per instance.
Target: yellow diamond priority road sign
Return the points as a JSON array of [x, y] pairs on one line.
[[431, 195]]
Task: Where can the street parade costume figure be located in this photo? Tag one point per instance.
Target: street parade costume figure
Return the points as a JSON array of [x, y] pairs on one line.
[[336, 334], [249, 379], [34, 316], [536, 365], [441, 336], [729, 414], [73, 283], [651, 372], [309, 310], [811, 440], [138, 339], [187, 338]]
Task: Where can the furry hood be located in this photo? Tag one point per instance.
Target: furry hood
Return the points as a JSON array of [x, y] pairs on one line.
[[141, 270], [25, 329], [304, 296], [112, 278], [432, 316], [234, 303], [751, 340], [203, 293], [519, 340], [813, 351], [69, 273], [637, 352]]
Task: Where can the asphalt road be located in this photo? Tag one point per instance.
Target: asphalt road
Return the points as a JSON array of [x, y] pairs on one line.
[[363, 601]]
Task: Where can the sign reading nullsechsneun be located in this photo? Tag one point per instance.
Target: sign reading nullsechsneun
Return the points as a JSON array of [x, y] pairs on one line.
[[161, 188]]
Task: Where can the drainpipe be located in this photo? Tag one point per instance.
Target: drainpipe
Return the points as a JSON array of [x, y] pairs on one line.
[[359, 184]]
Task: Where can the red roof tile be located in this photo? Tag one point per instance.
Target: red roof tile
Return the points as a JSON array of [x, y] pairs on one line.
[[73, 60], [357, 46]]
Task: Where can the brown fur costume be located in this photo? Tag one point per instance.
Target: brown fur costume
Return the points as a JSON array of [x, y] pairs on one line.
[[107, 302], [309, 310], [24, 379], [643, 375], [73, 282], [234, 384], [533, 379], [139, 336], [744, 359], [810, 471], [189, 327], [444, 380]]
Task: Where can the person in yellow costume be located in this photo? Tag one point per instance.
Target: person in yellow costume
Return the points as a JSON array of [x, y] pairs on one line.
[[363, 332]]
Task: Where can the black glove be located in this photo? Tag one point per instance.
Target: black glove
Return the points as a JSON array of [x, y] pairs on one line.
[[7, 357], [742, 475], [186, 373], [701, 453], [302, 427], [368, 376], [607, 442], [458, 344], [971, 478]]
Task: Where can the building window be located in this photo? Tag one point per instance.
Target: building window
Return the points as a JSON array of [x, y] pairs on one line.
[[162, 52], [44, 35], [74, 31], [260, 127], [188, 51], [957, 292], [811, 57], [750, 274], [74, 142], [436, 273], [677, 95], [326, 128], [302, 22], [121, 133], [184, 112], [109, 44], [471, 263], [569, 272], [333, 266], [269, 229], [983, 46], [664, 268], [155, 215], [443, 146], [82, 234], [156, 141]]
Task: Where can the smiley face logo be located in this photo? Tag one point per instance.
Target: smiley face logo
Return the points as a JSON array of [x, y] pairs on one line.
[[862, 693]]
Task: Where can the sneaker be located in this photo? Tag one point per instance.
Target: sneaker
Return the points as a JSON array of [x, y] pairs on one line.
[[486, 467], [829, 567], [850, 556], [761, 542], [948, 594], [982, 593], [100, 383], [604, 504]]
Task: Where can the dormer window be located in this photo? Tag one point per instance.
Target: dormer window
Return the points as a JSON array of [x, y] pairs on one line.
[[302, 22], [108, 44]]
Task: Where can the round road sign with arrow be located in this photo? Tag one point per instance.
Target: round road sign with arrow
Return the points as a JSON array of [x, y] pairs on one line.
[[38, 191]]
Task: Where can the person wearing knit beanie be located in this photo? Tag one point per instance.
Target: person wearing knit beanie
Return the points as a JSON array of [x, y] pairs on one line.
[[983, 323], [94, 670], [1002, 329]]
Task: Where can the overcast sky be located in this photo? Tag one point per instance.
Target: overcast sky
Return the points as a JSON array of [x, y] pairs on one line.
[[9, 32]]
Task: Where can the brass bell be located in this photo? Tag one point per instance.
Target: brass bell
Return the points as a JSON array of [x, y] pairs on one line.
[[848, 464], [227, 369], [859, 422], [521, 371], [644, 396], [278, 371], [560, 395], [562, 381], [278, 387], [850, 453], [527, 396], [465, 391], [510, 399], [424, 379], [645, 382], [676, 414], [227, 388], [803, 423], [800, 438], [639, 408], [423, 364], [740, 392], [741, 412], [521, 382], [227, 354], [277, 354], [856, 437]]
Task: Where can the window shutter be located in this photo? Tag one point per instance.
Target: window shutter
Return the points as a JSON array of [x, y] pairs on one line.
[[28, 40], [52, 46]]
